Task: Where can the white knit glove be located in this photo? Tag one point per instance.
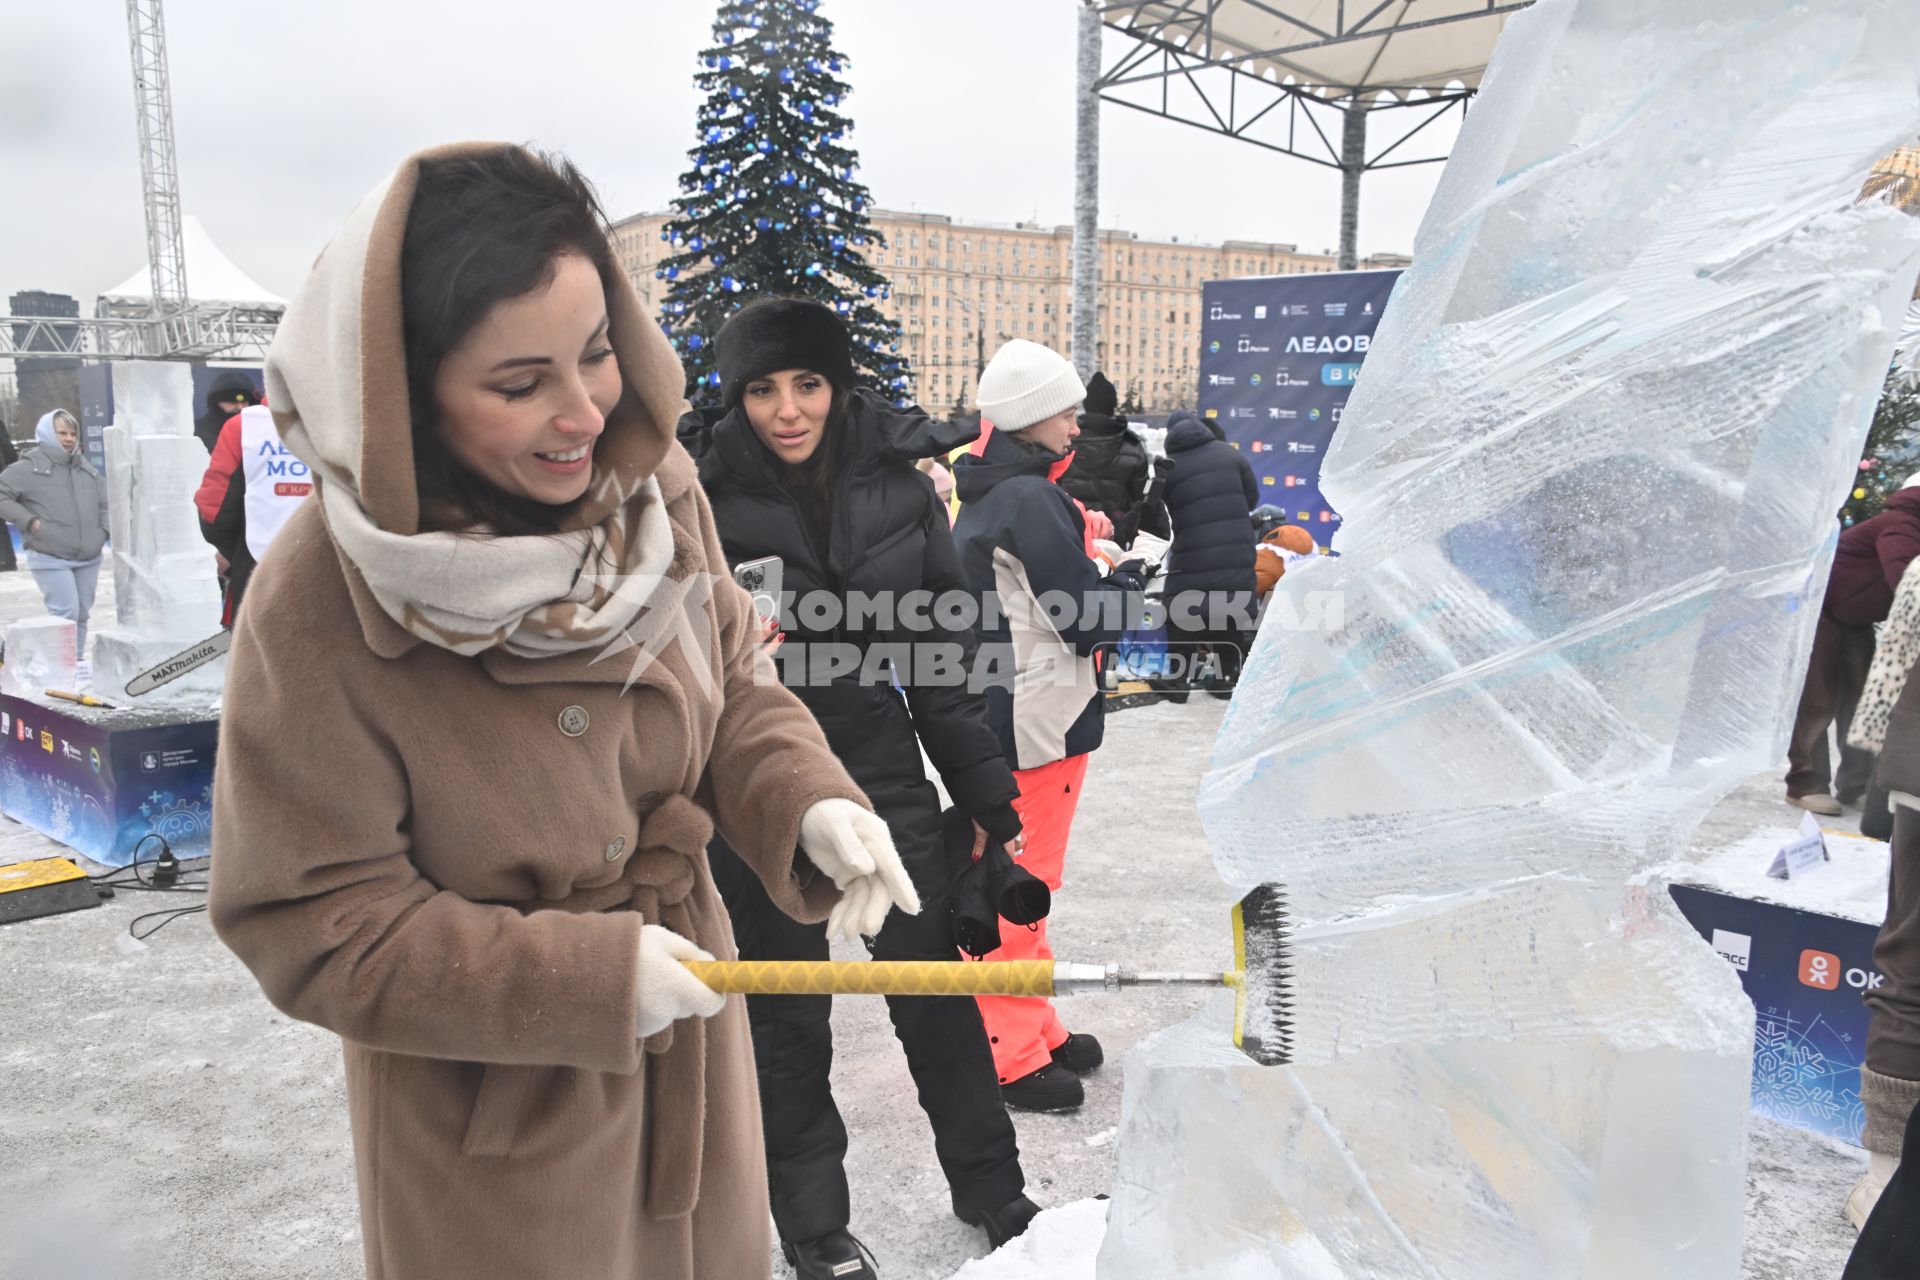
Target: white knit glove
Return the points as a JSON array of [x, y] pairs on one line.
[[854, 849], [666, 991]]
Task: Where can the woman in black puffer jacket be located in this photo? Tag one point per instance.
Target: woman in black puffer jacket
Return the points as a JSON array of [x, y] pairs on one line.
[[1210, 580], [801, 465]]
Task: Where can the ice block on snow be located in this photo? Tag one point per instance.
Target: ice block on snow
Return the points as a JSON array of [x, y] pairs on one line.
[[1590, 480], [40, 655]]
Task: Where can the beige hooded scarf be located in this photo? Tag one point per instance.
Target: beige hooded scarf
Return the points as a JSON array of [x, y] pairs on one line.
[[336, 380], [449, 793]]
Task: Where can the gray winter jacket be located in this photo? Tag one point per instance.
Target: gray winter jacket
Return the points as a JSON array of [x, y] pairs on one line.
[[63, 492]]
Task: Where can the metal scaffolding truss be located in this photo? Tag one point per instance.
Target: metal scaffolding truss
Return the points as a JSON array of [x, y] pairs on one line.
[[159, 174], [1187, 65], [196, 333]]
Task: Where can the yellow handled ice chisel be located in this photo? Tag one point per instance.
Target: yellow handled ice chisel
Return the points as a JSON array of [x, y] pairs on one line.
[[1260, 977]]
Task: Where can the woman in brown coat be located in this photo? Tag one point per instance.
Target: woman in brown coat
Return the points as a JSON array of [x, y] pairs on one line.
[[492, 694]]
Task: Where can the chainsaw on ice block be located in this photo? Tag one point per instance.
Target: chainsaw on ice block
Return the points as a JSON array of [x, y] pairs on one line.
[[1260, 978]]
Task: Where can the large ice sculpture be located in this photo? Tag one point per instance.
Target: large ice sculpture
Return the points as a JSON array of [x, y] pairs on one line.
[[1589, 482], [165, 594]]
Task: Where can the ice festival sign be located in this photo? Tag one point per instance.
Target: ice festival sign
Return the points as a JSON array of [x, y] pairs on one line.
[[1278, 358]]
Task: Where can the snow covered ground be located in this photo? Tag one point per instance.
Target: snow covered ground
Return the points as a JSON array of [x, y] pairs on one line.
[[159, 1119]]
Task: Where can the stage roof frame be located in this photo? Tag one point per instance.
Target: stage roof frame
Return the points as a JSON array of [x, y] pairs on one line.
[[1255, 63]]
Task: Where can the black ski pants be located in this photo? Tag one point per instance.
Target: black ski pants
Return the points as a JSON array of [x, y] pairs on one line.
[[944, 1039]]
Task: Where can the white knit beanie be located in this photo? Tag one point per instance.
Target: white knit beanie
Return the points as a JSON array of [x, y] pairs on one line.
[[1026, 383]]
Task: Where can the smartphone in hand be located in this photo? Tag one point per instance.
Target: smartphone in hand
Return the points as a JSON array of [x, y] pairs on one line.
[[761, 580]]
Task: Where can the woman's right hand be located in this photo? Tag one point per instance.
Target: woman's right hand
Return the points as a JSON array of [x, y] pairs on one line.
[[667, 991]]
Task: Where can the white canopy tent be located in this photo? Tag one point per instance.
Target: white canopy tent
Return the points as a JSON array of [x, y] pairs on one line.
[[212, 279]]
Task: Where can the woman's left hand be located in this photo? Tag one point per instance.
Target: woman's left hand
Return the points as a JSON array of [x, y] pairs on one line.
[[854, 849], [771, 636], [1099, 525]]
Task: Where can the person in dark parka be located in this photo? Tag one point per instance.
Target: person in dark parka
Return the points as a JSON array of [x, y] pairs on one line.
[[801, 465], [1867, 567], [231, 392], [1111, 468], [1210, 580]]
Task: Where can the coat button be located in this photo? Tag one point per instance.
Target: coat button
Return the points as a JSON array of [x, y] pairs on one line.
[[614, 847], [573, 721]]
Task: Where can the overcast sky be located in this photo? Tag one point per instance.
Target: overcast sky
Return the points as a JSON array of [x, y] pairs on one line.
[[285, 113]]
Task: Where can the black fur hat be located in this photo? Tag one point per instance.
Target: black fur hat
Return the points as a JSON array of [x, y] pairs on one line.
[[782, 333]]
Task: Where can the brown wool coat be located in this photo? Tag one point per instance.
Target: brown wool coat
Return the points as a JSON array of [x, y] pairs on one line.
[[411, 852]]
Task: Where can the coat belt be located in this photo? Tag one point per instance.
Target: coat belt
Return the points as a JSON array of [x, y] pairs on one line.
[[658, 881]]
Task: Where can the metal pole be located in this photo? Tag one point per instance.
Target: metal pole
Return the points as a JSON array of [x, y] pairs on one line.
[[1353, 162], [1086, 201]]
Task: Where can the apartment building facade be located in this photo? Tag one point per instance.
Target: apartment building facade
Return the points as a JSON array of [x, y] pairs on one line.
[[960, 289]]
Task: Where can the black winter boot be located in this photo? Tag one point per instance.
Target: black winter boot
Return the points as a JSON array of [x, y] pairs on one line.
[[834, 1256], [1051, 1088], [1079, 1053], [1002, 1224]]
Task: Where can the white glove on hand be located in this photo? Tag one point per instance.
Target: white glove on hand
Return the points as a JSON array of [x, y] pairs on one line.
[[666, 991], [854, 849]]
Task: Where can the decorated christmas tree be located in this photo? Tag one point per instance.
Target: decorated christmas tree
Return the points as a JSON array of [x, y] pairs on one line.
[[1893, 450], [770, 207]]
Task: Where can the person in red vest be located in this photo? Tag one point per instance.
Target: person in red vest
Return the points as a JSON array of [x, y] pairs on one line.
[[252, 485]]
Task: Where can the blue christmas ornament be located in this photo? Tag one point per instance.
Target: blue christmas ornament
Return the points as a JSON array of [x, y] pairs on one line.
[[695, 342], [752, 119], [659, 275], [786, 75], [813, 64], [735, 92], [726, 37], [813, 268], [833, 99], [726, 64], [719, 259], [779, 226], [761, 224], [715, 134], [673, 273], [708, 185], [872, 292], [841, 306], [764, 146], [712, 61], [839, 242], [713, 379], [696, 244], [834, 66], [664, 233], [806, 109], [726, 282], [786, 177]]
